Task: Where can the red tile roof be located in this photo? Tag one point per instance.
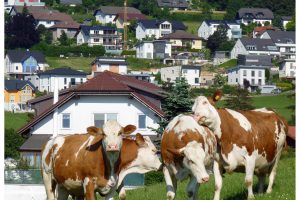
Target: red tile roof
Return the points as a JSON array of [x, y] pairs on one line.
[[263, 28], [105, 83]]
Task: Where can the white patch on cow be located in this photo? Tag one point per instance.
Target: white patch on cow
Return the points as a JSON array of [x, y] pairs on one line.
[[85, 144], [71, 184], [264, 110], [59, 141], [244, 123], [47, 167], [235, 158], [112, 127], [67, 163]]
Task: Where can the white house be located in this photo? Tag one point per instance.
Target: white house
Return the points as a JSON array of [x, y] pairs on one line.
[[287, 68], [154, 49], [190, 72], [255, 15], [285, 20], [156, 28], [107, 14], [66, 78], [99, 35], [208, 27], [106, 96], [254, 46], [116, 65], [23, 2], [255, 75], [19, 63]]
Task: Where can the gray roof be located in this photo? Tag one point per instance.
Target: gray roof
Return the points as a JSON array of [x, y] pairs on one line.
[[20, 56], [246, 67], [190, 67], [113, 10], [287, 18], [63, 71], [282, 36], [69, 2], [35, 142], [255, 13], [154, 23], [262, 60], [172, 3], [259, 44], [13, 85]]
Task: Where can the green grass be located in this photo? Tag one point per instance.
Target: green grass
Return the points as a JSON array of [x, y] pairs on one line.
[[192, 27], [228, 64], [15, 120], [78, 17], [142, 64], [78, 63], [233, 185]]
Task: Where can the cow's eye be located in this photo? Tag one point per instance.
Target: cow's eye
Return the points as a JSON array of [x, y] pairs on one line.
[[205, 102]]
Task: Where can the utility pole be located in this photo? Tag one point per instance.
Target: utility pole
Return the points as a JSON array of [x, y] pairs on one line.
[[125, 26]]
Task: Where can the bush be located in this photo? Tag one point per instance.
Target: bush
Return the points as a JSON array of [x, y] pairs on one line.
[[154, 177], [13, 142], [228, 89], [285, 86], [128, 52]]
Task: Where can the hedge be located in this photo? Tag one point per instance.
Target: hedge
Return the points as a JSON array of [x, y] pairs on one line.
[[154, 177], [284, 86], [129, 52]]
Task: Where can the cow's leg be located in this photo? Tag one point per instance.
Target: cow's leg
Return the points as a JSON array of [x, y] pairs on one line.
[[261, 182], [250, 165], [273, 174], [110, 195], [122, 192], [192, 189], [169, 182], [48, 185], [62, 193], [89, 189], [218, 179]]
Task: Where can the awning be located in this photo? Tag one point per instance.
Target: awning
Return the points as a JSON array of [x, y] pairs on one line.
[[35, 142]]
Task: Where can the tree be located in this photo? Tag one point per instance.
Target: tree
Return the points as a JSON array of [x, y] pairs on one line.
[[63, 39], [232, 8], [13, 142], [20, 32], [291, 26], [239, 100], [217, 38], [219, 80], [178, 101], [292, 108]]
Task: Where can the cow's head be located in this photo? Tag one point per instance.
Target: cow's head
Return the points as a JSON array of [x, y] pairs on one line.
[[193, 159], [204, 109]]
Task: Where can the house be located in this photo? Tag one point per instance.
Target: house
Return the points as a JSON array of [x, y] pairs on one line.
[[258, 60], [208, 27], [116, 65], [107, 14], [19, 63], [107, 96], [190, 72], [156, 28], [182, 38], [70, 28], [23, 2], [255, 15], [254, 74], [49, 19], [220, 57], [106, 36], [31, 9], [16, 95], [254, 46], [71, 3], [119, 19], [143, 76], [258, 31], [287, 69], [285, 20], [206, 78], [153, 49], [173, 4], [65, 77]]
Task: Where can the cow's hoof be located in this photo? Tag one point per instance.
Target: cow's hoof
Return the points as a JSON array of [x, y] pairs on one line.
[[170, 195], [269, 191], [251, 196]]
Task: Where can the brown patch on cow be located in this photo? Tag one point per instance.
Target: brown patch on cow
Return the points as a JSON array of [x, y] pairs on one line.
[[93, 130], [128, 154], [261, 137]]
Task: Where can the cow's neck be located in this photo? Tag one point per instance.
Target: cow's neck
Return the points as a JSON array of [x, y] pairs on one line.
[[215, 126]]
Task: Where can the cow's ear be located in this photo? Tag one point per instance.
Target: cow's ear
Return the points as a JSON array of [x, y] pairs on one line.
[[217, 95], [129, 129], [93, 130], [139, 139], [176, 152]]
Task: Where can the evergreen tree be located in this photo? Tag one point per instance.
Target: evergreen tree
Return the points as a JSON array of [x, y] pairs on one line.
[[239, 100], [13, 142], [63, 39], [217, 38]]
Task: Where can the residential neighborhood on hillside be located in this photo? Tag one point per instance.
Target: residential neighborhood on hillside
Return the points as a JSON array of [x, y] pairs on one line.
[[72, 67]]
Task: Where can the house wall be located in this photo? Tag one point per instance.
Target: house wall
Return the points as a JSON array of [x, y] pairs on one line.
[[140, 32], [191, 75], [69, 32], [81, 38], [196, 44], [47, 82], [121, 69], [204, 31], [34, 79], [82, 114], [46, 23], [284, 22], [104, 18], [15, 98], [288, 69], [170, 73], [145, 50], [238, 48], [237, 76], [261, 21]]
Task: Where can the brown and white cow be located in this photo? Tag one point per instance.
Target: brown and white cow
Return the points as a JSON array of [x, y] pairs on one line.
[[187, 149], [76, 164], [251, 141]]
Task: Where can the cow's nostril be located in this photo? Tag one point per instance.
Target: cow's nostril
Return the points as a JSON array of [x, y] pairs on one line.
[[205, 179]]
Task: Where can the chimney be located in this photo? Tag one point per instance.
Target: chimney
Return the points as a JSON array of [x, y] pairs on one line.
[[55, 113]]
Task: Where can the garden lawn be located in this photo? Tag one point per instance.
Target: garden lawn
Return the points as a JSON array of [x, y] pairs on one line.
[[192, 27], [229, 63], [78, 63], [15, 120]]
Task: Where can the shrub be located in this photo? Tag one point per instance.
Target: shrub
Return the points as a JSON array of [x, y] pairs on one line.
[[13, 142], [284, 86], [153, 177], [128, 52]]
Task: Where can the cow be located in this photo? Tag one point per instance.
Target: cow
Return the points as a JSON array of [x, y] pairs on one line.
[[250, 141], [77, 165], [187, 150]]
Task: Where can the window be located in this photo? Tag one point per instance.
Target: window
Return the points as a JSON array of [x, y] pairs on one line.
[[259, 74], [245, 72], [259, 81], [252, 81], [96, 40], [96, 32], [72, 81], [81, 80], [236, 80], [101, 118], [142, 121], [48, 22], [65, 81], [12, 98], [184, 71], [17, 68], [29, 79], [252, 73], [196, 80], [65, 120]]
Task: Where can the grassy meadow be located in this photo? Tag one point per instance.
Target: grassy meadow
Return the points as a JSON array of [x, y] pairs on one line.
[[15, 120], [77, 63]]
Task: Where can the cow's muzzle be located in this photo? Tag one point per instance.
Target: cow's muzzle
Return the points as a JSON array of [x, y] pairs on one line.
[[112, 148]]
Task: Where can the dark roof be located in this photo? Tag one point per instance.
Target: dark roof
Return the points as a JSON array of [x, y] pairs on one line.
[[154, 23], [107, 60], [246, 67], [286, 18], [63, 71], [20, 56], [106, 83], [260, 44], [172, 3], [86, 29], [180, 34], [52, 16], [35, 142], [131, 16], [190, 67], [69, 2], [255, 13], [13, 85], [32, 9], [282, 36], [263, 60], [113, 10], [70, 25]]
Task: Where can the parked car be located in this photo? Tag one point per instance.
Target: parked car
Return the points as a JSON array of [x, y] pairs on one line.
[[276, 91]]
